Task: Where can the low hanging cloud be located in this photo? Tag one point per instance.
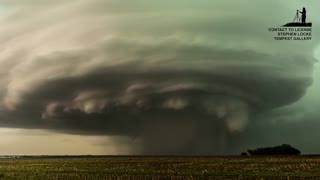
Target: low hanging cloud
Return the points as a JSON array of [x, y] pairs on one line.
[[179, 77]]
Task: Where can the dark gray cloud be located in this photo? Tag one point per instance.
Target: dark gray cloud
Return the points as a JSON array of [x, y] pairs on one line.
[[186, 78]]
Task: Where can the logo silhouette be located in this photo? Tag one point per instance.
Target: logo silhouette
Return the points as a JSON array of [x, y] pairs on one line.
[[298, 20], [304, 15]]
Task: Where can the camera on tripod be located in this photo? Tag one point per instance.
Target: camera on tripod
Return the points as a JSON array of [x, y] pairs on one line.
[[297, 18]]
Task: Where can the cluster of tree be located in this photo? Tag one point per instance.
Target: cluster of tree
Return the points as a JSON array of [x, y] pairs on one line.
[[284, 149]]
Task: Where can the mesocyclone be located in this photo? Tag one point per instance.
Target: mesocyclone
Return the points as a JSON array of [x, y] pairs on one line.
[[181, 77]]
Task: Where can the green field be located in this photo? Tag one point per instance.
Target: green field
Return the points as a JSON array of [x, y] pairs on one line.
[[299, 167]]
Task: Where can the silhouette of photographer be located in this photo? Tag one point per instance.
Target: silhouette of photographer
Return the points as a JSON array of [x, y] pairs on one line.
[[304, 15]]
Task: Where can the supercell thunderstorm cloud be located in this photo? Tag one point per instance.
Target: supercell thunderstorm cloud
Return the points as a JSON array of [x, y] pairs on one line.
[[179, 77]]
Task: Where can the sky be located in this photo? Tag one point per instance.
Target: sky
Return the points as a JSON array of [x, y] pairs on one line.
[[155, 77]]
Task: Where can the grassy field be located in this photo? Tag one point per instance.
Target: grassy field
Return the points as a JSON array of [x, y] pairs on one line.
[[300, 167]]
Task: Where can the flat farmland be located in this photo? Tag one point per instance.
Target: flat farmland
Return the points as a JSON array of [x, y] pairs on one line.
[[172, 167]]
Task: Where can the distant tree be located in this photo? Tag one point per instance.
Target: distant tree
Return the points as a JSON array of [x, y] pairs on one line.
[[244, 154], [284, 149]]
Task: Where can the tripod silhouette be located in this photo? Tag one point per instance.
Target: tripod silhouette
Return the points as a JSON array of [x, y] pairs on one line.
[[297, 18]]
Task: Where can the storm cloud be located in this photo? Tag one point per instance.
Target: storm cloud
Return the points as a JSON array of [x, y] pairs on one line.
[[177, 77]]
